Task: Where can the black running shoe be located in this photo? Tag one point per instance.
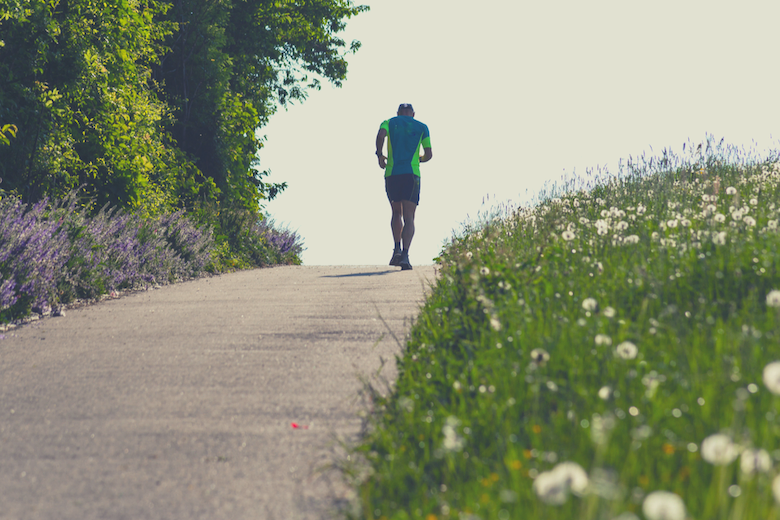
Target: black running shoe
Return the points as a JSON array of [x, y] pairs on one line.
[[396, 260], [404, 263]]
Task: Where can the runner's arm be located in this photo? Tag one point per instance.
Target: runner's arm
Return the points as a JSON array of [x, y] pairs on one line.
[[380, 144], [428, 155]]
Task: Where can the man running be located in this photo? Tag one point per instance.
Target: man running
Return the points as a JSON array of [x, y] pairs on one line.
[[402, 175]]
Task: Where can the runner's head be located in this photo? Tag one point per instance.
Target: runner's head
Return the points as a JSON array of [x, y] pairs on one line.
[[405, 109]]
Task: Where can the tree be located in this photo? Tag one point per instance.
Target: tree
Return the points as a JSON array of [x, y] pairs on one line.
[[155, 104], [75, 84], [230, 64]]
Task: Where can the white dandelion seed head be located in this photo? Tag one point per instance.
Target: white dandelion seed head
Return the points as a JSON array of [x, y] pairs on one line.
[[720, 217], [603, 339], [773, 298], [609, 312], [484, 271], [719, 238], [731, 190], [573, 475], [663, 505], [590, 304], [626, 350], [622, 225], [772, 224], [495, 323], [549, 488], [540, 356], [719, 450], [737, 215], [605, 392], [755, 461], [568, 235], [776, 488], [772, 377], [750, 221], [753, 201], [469, 254], [631, 239], [452, 441], [672, 223]]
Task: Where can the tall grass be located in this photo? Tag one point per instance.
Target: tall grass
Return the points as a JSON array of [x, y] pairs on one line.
[[574, 355]]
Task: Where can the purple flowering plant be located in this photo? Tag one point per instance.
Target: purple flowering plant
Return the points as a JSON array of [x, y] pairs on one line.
[[52, 253]]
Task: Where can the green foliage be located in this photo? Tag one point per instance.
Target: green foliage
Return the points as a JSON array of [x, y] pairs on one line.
[[7, 131], [76, 84], [153, 105], [616, 325], [228, 66]]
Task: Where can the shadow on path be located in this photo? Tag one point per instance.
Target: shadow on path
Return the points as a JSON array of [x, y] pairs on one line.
[[369, 273]]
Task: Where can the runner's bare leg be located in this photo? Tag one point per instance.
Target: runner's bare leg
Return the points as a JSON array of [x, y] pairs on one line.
[[409, 208], [397, 223]]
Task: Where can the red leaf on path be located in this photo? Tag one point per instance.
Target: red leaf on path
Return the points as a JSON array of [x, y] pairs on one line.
[[297, 426]]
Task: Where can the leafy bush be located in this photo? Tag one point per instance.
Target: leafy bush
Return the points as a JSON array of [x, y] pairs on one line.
[[606, 353]]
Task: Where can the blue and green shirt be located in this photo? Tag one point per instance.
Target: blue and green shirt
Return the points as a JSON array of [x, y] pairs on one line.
[[405, 135]]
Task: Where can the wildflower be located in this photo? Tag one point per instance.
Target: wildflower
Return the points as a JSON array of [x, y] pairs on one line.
[[772, 377], [626, 350], [755, 461], [663, 505], [553, 487], [737, 215], [631, 239], [622, 225], [776, 488], [484, 271], [719, 450], [772, 224], [773, 298], [609, 312], [567, 235], [753, 201], [452, 441], [731, 190], [540, 356], [719, 238], [750, 221], [590, 304], [605, 392], [672, 223], [603, 339]]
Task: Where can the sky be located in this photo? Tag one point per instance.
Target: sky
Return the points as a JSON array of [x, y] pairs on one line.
[[516, 94]]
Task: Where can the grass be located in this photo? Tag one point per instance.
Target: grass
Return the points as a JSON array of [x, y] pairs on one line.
[[616, 324]]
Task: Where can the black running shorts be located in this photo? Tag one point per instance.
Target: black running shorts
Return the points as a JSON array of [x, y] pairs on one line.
[[403, 187]]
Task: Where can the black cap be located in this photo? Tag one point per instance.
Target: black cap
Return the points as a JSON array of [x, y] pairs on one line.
[[405, 106]]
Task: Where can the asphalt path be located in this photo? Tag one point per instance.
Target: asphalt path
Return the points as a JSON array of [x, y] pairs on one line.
[[220, 398]]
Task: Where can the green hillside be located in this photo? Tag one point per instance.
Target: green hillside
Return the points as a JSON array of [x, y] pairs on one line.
[[606, 353]]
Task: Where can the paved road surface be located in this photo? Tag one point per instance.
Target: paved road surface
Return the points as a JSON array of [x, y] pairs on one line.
[[177, 403]]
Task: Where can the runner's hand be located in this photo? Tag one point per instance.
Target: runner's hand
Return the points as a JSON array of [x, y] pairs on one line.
[[382, 161]]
